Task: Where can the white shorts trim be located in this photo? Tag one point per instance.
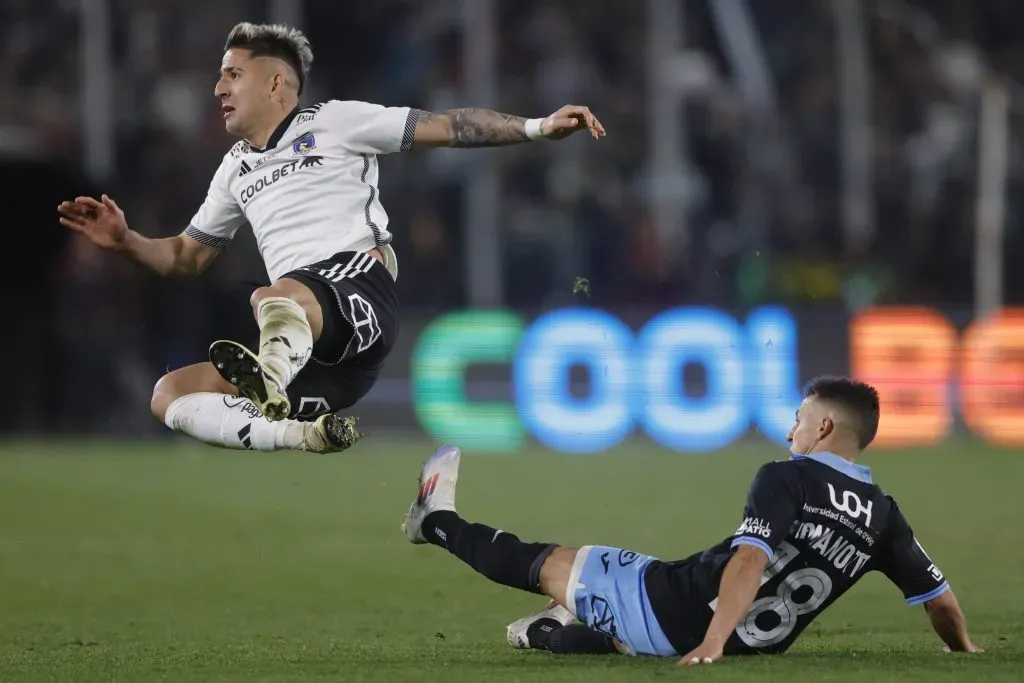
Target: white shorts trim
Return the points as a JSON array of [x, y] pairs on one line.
[[574, 578]]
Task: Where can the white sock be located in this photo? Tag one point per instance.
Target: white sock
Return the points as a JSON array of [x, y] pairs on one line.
[[286, 341], [232, 422]]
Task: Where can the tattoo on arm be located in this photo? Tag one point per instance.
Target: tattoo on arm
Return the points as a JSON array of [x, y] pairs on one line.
[[483, 127]]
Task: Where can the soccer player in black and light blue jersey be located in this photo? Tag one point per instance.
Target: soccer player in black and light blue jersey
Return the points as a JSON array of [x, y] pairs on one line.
[[813, 525]]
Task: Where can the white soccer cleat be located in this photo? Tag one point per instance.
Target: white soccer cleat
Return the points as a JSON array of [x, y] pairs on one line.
[[552, 617], [436, 491]]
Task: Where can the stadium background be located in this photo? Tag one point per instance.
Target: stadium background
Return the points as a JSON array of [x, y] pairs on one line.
[[850, 169]]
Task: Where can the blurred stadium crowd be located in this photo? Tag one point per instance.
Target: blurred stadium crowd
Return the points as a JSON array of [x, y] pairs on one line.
[[116, 327]]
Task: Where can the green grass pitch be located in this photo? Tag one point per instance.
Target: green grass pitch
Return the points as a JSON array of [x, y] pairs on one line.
[[176, 562]]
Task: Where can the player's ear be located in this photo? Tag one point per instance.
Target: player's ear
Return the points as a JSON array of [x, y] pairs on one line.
[[826, 427]]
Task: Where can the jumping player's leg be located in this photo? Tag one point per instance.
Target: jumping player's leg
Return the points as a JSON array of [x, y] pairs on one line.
[[335, 310], [290, 320], [197, 401], [545, 568]]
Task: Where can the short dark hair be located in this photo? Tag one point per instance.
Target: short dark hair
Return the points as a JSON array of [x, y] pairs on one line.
[[859, 398], [274, 40]]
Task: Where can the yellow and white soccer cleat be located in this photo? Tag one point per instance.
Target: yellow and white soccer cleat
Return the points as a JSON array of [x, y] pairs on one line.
[[330, 434], [242, 368]]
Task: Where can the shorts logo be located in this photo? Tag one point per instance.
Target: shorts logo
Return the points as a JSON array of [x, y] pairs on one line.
[[304, 144], [312, 406], [602, 619], [364, 322], [627, 557]]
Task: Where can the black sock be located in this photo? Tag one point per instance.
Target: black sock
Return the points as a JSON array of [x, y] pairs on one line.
[[538, 633], [498, 555], [576, 639]]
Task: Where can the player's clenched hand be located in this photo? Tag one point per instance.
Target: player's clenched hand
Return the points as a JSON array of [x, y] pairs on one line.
[[704, 653], [101, 221], [568, 120]]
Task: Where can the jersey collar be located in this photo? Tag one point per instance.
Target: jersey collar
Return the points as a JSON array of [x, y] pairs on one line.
[[852, 470], [275, 137]]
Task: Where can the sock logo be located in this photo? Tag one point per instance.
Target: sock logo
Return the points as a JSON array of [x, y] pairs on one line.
[[243, 404], [243, 436], [302, 357], [283, 340]]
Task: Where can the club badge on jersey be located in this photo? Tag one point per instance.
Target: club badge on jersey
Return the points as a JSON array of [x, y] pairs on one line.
[[304, 144]]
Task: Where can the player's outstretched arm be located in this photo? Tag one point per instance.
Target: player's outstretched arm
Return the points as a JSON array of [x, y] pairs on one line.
[[468, 128], [948, 621], [103, 223], [740, 582]]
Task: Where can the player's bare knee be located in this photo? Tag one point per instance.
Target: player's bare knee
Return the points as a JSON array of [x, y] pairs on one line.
[[191, 379], [285, 288], [258, 297], [298, 292], [164, 394]]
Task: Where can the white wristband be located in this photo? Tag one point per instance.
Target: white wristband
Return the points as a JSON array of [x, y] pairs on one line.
[[533, 129]]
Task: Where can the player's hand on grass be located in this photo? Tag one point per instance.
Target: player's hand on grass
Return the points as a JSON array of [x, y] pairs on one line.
[[101, 221], [705, 653], [568, 120]]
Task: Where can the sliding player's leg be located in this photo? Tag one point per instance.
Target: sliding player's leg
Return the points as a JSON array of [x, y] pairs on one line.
[[195, 400], [554, 629], [600, 586]]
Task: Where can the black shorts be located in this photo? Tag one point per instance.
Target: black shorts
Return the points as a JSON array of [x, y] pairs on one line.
[[360, 309]]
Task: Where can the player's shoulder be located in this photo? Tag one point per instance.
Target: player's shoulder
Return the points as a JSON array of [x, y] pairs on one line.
[[778, 471], [237, 150], [232, 159], [356, 108], [782, 466], [311, 112]]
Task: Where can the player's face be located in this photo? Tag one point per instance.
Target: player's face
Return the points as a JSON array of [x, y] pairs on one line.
[[244, 90], [811, 426]]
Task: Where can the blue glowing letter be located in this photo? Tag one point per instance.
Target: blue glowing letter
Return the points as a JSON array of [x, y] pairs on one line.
[[666, 345], [549, 348]]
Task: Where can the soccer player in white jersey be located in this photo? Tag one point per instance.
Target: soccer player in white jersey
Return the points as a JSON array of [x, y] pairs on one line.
[[305, 179]]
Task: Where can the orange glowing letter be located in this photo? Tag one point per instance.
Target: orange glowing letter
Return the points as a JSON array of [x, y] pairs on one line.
[[907, 354], [992, 377]]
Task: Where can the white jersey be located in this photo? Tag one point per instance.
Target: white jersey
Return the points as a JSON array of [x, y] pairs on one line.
[[313, 191]]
